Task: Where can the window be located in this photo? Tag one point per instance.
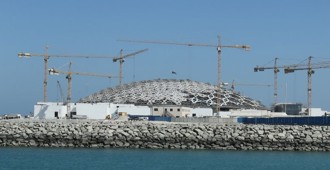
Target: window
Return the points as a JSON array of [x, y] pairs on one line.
[[155, 109], [171, 110], [178, 110], [194, 115], [165, 109], [56, 114]]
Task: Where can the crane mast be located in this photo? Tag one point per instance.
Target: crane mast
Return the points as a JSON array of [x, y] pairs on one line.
[[275, 68], [310, 71], [121, 61], [69, 77], [46, 57], [309, 79], [69, 74], [218, 47], [219, 77]]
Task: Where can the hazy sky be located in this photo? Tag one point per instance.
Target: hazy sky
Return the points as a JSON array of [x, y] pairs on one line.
[[290, 30]]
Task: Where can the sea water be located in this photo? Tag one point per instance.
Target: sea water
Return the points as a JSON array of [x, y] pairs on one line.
[[140, 159]]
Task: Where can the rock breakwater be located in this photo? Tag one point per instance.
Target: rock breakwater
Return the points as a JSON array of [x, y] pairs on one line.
[[140, 134]]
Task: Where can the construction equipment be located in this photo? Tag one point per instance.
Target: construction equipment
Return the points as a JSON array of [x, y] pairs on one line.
[[234, 84], [46, 57], [121, 61], [276, 70], [69, 74], [309, 67], [219, 47]]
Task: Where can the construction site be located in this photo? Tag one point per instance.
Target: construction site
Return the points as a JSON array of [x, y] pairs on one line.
[[170, 97]]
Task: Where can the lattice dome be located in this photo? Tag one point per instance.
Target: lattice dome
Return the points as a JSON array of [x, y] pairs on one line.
[[172, 92]]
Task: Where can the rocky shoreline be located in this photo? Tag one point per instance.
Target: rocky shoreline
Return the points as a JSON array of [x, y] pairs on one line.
[[162, 135]]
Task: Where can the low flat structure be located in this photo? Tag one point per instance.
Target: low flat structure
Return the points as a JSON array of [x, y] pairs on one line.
[[53, 110], [251, 113]]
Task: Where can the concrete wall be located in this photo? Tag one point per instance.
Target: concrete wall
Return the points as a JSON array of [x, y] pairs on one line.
[[201, 112], [317, 112], [47, 110], [93, 111]]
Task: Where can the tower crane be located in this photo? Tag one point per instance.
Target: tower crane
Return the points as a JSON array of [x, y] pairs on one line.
[[218, 46], [46, 57], [121, 61], [276, 70], [69, 74], [309, 67]]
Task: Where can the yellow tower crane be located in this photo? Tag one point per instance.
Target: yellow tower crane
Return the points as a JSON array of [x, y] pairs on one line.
[[218, 47], [69, 74], [276, 70], [309, 67], [121, 61], [46, 57]]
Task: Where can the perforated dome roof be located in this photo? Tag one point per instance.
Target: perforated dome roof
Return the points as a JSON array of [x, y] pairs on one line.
[[172, 92]]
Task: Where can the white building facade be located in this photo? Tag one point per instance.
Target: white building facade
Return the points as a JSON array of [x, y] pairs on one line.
[[53, 110]]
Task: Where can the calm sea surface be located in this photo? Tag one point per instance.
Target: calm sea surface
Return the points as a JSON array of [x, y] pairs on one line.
[[63, 158]]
